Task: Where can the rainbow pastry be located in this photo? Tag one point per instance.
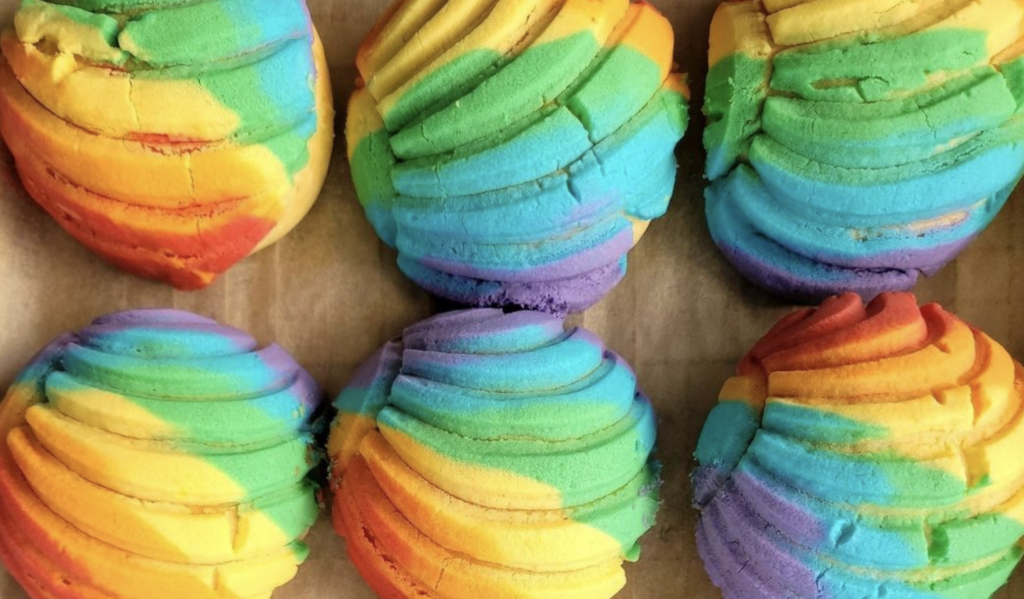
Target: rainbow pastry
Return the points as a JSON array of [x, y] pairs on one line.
[[865, 452], [853, 146], [157, 454], [514, 151], [493, 455], [172, 138]]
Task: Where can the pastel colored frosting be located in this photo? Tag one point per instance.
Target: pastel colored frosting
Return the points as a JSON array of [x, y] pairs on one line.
[[485, 454], [157, 454], [514, 151], [865, 452], [171, 138], [853, 146]]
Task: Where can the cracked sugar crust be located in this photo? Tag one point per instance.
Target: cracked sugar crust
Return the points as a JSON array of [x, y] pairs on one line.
[[189, 108], [89, 424], [472, 120], [865, 447], [498, 449], [821, 128]]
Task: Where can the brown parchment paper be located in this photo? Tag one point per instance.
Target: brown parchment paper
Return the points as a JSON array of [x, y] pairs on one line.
[[331, 294]]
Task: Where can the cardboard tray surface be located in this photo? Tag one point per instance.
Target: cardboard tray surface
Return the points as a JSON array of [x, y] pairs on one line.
[[331, 293]]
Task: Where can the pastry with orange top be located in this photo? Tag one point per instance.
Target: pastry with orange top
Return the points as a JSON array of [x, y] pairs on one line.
[[865, 452]]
